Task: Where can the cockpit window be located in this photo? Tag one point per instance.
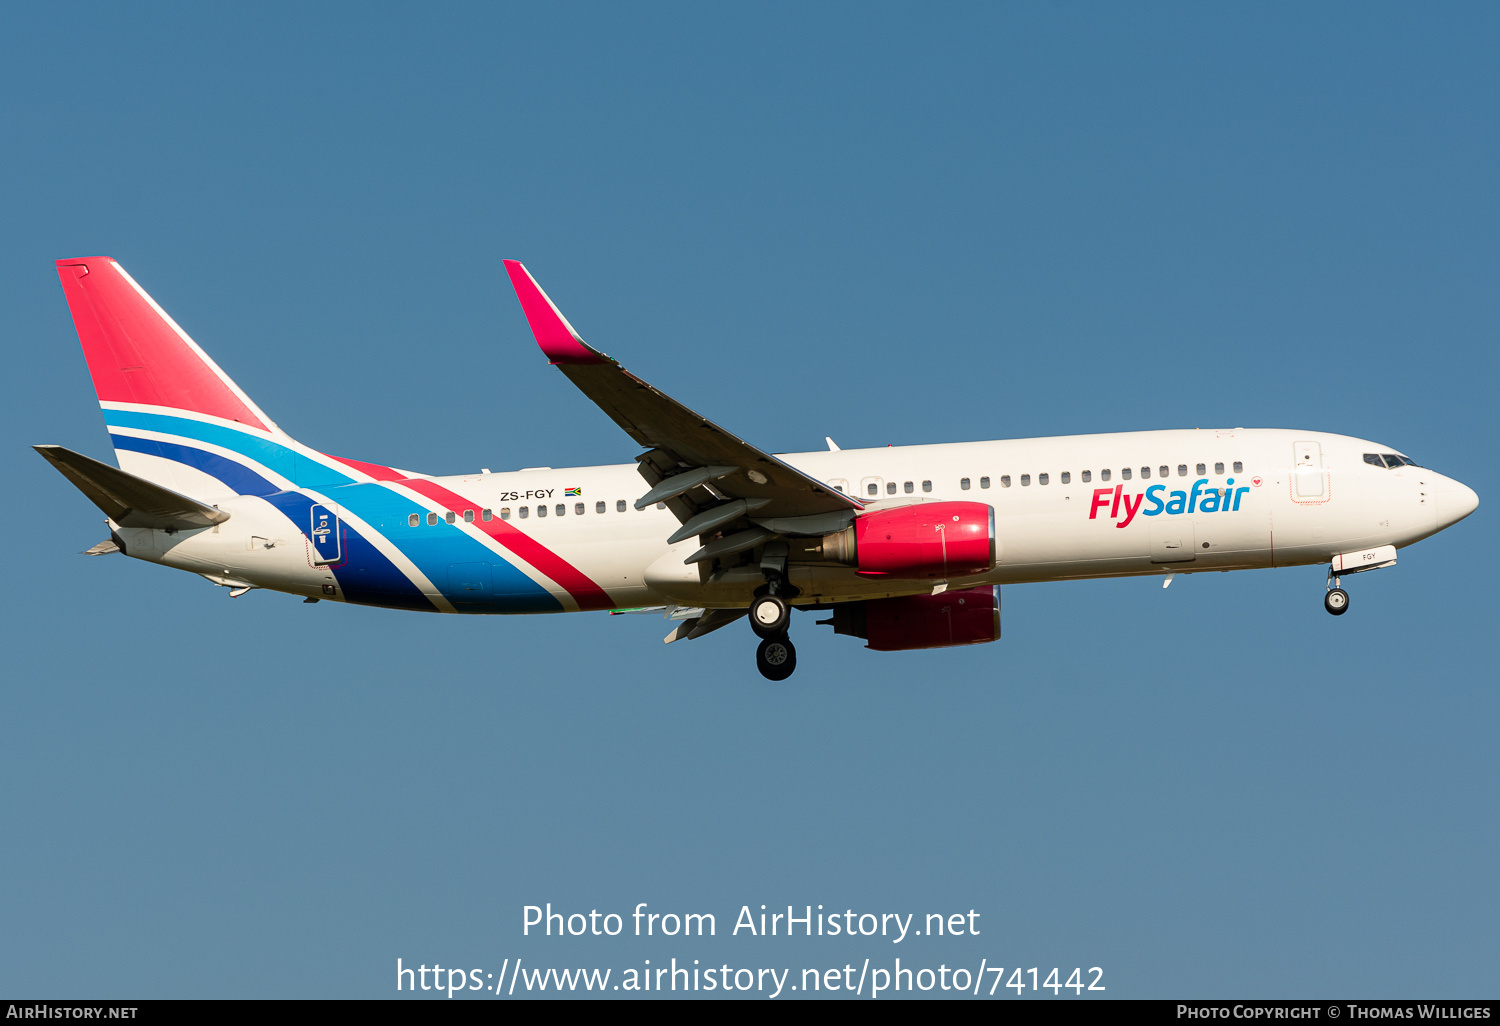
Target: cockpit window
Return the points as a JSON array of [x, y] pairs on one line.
[[1389, 460]]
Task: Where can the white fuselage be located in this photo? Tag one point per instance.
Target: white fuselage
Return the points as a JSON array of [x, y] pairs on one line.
[[1067, 507]]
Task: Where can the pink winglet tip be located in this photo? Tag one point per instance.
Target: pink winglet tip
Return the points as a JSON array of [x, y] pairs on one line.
[[552, 330]]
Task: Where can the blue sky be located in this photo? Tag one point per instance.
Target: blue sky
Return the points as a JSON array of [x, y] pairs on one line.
[[888, 224]]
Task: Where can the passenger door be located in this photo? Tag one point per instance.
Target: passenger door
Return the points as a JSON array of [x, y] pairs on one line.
[[1309, 479], [327, 535]]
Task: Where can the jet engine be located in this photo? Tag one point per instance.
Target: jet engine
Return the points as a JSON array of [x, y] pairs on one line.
[[967, 617], [926, 539]]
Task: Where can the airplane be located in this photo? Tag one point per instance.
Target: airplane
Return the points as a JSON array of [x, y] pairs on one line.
[[905, 547]]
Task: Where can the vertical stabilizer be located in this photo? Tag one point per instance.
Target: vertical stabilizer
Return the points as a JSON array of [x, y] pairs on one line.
[[154, 383]]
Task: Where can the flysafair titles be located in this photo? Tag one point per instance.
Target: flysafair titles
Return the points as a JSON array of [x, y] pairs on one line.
[[1199, 499]]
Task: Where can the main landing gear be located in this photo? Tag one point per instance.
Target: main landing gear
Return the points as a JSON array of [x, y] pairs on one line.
[[776, 658], [770, 616], [1336, 601]]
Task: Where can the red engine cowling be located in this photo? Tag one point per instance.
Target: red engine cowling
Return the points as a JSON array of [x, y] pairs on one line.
[[967, 617], [927, 539]]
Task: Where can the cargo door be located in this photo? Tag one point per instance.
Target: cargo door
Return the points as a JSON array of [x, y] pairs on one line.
[[470, 582], [1172, 539]]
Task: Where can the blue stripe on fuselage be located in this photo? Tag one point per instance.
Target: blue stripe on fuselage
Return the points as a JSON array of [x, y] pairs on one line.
[[431, 548], [365, 574]]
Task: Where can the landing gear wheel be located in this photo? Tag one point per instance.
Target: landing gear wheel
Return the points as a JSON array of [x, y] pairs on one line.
[[1336, 601], [775, 658], [770, 616]]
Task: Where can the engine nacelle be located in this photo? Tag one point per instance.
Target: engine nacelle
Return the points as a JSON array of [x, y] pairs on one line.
[[967, 617], [926, 539]]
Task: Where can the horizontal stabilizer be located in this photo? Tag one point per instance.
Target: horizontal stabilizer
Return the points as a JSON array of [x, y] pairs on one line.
[[128, 500]]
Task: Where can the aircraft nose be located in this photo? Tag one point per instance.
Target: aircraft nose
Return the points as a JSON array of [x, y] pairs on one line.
[[1454, 502]]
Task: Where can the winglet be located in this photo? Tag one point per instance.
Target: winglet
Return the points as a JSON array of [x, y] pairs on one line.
[[553, 332]]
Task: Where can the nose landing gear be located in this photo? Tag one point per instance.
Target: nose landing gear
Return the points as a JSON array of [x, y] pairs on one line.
[[1336, 601]]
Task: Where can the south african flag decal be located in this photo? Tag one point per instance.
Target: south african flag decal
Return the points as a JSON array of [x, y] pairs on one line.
[[569, 492]]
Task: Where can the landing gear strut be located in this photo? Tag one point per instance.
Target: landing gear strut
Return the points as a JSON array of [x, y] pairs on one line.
[[1336, 601], [771, 615]]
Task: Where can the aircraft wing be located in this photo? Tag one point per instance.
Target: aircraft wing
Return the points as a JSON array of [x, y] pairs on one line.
[[693, 464]]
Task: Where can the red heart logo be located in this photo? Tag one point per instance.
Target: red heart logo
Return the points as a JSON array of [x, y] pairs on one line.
[[1255, 481]]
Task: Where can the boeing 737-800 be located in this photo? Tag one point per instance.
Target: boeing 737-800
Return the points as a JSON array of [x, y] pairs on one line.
[[905, 547]]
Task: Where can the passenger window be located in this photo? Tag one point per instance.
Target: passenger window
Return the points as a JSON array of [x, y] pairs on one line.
[[874, 489], [489, 514], [1163, 471], [1125, 473], [908, 488], [578, 508], [505, 513], [1025, 480], [1041, 479], [1004, 480], [1145, 473], [1182, 470], [619, 505], [414, 520], [984, 482], [1219, 468], [1067, 477], [598, 507], [561, 509], [661, 505], [468, 516], [1088, 475], [1104, 475], [525, 512], [838, 488], [541, 511], [1202, 470], [963, 483], [1239, 468], [926, 486], [890, 488], [451, 517], [431, 519]]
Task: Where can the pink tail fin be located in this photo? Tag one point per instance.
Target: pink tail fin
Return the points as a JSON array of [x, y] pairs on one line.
[[137, 354]]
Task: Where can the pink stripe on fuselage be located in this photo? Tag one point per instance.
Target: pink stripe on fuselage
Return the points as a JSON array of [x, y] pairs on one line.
[[585, 592], [374, 470]]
